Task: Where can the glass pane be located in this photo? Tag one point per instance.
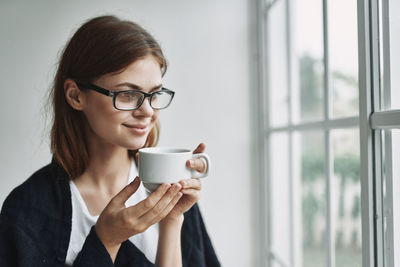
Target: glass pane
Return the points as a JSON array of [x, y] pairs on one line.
[[309, 74], [310, 158], [346, 192], [280, 198], [343, 56], [394, 21], [277, 65]]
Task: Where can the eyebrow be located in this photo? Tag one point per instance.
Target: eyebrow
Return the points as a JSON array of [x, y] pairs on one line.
[[137, 87]]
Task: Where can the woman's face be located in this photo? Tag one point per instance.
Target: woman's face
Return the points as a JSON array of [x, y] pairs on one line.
[[128, 129]]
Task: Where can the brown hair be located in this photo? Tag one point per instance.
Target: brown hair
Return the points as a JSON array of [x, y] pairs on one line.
[[102, 45]]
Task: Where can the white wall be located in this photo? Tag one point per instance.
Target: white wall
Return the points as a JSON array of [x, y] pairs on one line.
[[207, 44]]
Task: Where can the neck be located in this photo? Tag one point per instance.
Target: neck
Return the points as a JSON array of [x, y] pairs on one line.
[[108, 168]]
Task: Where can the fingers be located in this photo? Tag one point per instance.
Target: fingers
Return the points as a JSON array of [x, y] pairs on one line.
[[171, 205], [125, 193], [191, 188], [193, 194], [164, 205], [191, 184], [147, 204], [197, 164], [200, 148]]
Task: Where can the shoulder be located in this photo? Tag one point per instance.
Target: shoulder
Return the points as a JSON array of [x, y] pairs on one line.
[[42, 191], [35, 219]]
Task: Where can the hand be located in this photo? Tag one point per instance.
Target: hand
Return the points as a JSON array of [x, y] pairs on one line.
[[190, 187], [117, 223]]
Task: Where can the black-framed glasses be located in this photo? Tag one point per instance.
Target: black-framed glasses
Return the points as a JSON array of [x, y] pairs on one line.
[[133, 99]]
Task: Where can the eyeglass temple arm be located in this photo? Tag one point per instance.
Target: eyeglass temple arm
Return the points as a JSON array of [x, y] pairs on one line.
[[96, 88]]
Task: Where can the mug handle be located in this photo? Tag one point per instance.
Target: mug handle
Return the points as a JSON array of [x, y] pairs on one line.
[[196, 174]]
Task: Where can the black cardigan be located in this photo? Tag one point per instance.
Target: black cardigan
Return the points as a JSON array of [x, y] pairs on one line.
[[35, 228]]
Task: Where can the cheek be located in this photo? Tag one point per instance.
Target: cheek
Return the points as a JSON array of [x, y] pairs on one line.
[[155, 116], [101, 124], [102, 116]]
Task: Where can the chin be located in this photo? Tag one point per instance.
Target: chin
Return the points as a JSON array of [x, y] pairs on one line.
[[135, 147], [137, 144]]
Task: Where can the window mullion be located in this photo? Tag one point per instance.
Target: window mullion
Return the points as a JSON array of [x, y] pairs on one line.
[[265, 183], [328, 144], [388, 203], [386, 120], [289, 58], [329, 199], [379, 218], [368, 77], [350, 122], [385, 43]]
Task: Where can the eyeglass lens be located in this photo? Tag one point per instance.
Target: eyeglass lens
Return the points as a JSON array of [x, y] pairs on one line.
[[133, 99]]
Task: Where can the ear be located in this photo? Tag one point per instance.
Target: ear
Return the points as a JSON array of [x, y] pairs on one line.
[[74, 96]]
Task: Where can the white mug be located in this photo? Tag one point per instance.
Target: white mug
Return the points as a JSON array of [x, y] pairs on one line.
[[158, 165]]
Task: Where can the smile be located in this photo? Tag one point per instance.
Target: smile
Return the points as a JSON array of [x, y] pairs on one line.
[[137, 129]]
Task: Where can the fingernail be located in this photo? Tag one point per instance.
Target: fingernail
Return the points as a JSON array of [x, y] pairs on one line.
[[191, 162], [177, 186]]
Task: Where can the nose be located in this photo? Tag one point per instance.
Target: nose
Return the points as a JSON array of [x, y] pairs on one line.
[[145, 109]]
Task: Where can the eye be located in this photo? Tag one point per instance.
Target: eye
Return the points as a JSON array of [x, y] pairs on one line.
[[159, 92], [129, 96], [161, 99]]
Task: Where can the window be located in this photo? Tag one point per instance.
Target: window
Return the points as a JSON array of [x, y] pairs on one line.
[[330, 89]]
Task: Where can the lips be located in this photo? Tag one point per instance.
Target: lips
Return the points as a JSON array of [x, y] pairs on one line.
[[137, 128]]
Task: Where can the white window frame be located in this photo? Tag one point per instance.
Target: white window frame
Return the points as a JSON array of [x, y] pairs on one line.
[[372, 119]]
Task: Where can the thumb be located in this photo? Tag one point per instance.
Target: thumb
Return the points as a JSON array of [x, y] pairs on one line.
[[126, 192]]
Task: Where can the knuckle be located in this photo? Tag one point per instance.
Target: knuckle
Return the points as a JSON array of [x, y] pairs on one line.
[[128, 222], [138, 228], [141, 228], [148, 203]]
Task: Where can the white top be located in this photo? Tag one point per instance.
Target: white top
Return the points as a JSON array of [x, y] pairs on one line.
[[82, 222]]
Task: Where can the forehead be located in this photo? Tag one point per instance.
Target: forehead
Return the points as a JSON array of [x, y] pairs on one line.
[[145, 72]]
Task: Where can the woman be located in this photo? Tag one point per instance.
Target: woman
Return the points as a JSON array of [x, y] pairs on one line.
[[85, 208]]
